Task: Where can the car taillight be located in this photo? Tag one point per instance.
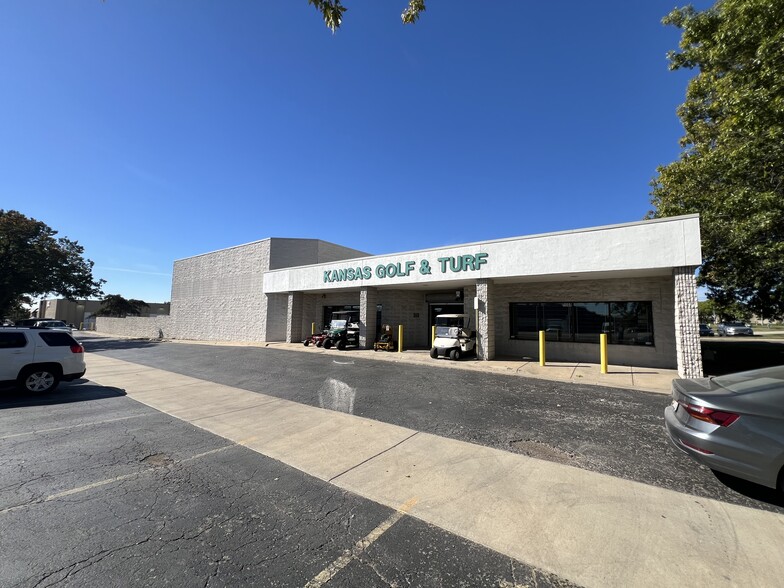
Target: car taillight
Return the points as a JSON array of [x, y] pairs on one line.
[[77, 349], [710, 415]]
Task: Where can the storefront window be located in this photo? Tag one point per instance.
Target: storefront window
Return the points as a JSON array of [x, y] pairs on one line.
[[624, 323]]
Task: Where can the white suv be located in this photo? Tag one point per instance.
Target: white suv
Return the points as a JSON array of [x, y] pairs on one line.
[[37, 359]]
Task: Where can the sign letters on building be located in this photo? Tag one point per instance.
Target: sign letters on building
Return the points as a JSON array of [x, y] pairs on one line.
[[444, 265]]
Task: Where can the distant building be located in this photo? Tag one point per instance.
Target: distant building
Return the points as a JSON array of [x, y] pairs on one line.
[[77, 312]]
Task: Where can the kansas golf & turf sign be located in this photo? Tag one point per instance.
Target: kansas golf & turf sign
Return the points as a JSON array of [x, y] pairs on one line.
[[402, 269]]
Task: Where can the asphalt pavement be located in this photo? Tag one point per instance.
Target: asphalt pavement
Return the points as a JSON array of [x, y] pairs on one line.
[[456, 475]]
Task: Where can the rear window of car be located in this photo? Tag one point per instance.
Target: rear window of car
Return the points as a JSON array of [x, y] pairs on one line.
[[57, 339], [12, 340]]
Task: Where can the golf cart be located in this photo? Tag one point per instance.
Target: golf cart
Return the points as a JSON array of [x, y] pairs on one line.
[[343, 330], [453, 337]]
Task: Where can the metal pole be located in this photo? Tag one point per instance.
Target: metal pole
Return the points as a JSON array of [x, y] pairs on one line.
[[400, 338], [603, 346], [541, 348], [312, 328]]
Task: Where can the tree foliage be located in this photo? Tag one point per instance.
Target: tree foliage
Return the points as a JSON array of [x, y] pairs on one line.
[[34, 263], [731, 168], [117, 306], [332, 12]]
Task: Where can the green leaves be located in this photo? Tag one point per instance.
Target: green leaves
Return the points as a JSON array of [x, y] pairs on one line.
[[117, 306], [33, 263], [731, 169], [332, 12]]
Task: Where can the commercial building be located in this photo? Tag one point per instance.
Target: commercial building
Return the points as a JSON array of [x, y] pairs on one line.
[[634, 282], [77, 312]]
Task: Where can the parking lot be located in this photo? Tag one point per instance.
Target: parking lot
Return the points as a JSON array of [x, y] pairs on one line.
[[143, 496]]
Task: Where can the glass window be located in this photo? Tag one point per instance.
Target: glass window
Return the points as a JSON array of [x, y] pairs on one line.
[[524, 323], [590, 320], [624, 323], [57, 339], [557, 321], [12, 340], [631, 323]]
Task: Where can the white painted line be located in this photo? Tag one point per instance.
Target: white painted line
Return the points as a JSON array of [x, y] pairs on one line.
[[113, 480], [360, 546], [39, 431]]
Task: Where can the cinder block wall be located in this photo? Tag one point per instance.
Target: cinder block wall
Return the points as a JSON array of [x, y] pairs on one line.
[[133, 326], [218, 296], [661, 291]]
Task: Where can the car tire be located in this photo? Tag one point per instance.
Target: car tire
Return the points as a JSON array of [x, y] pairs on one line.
[[454, 354], [327, 343], [39, 380], [341, 345], [434, 353]]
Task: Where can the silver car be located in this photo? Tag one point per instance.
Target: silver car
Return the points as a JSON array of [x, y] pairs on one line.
[[731, 329], [732, 424]]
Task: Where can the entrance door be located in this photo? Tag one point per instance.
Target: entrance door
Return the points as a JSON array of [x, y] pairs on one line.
[[441, 308]]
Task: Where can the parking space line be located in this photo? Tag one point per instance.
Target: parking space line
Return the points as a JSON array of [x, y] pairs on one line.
[[360, 546], [39, 431], [100, 483]]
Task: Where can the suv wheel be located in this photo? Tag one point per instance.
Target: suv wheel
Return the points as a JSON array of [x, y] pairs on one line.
[[39, 380]]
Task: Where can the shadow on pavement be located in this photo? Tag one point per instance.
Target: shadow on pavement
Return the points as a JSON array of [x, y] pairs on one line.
[[724, 356], [67, 392], [104, 344], [751, 490]]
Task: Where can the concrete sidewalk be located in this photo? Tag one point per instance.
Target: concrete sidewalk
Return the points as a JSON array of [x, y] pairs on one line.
[[592, 529], [628, 377]]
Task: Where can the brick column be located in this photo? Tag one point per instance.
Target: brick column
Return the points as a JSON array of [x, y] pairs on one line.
[[687, 327], [485, 321], [294, 318], [368, 300]]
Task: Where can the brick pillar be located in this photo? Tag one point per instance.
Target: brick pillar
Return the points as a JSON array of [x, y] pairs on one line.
[[294, 318], [687, 327], [368, 300], [485, 321]]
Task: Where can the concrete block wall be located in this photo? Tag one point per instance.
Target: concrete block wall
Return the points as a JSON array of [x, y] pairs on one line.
[[132, 326], [218, 296], [659, 290], [408, 309], [296, 252]]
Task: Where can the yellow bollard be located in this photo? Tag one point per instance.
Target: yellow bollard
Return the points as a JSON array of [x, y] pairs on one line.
[[433, 333], [603, 346], [312, 328], [541, 348], [400, 338]]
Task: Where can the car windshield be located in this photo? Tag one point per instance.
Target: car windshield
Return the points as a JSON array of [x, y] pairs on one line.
[[753, 381], [337, 324], [448, 332], [735, 325]]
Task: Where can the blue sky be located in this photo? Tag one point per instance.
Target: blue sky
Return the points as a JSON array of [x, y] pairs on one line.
[[152, 130]]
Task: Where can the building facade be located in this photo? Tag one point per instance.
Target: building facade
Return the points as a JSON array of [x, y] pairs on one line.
[[634, 282]]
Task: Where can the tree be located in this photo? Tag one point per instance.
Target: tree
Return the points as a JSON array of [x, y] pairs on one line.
[[332, 11], [117, 306], [34, 263], [731, 168]]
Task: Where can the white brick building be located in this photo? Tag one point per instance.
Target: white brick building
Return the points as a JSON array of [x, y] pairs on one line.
[[634, 282]]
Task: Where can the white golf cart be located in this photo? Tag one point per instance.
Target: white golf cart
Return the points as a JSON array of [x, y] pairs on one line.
[[454, 339]]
